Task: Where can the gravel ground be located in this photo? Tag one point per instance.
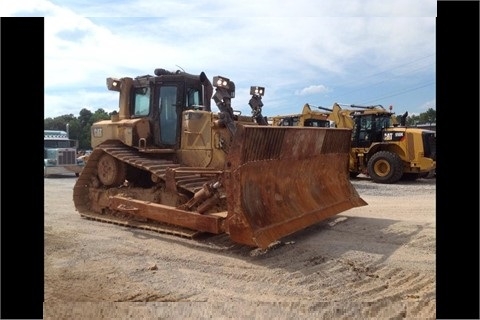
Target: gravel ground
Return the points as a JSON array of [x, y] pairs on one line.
[[376, 261]]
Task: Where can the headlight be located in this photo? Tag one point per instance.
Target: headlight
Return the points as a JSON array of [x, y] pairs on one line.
[[221, 82], [113, 84], [257, 91]]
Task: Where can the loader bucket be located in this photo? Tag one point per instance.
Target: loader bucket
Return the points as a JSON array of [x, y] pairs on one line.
[[280, 180]]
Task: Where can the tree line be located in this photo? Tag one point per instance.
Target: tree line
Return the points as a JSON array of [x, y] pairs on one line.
[[429, 117], [79, 127]]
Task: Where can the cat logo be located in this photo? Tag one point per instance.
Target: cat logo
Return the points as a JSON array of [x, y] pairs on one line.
[[387, 136], [97, 132]]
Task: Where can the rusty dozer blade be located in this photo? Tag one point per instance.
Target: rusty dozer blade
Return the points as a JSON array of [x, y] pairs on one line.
[[280, 180]]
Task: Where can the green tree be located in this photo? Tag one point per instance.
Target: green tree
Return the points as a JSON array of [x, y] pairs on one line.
[[428, 117], [58, 123], [78, 128], [87, 118], [410, 121], [100, 114], [74, 129], [413, 119], [84, 117]]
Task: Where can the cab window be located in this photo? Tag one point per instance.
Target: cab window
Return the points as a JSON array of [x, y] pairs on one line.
[[192, 98], [141, 104], [168, 114]]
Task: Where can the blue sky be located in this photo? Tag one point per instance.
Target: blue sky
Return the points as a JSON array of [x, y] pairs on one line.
[[318, 52]]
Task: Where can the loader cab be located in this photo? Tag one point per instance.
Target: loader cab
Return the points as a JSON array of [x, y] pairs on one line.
[[317, 123], [293, 121], [368, 128], [289, 121]]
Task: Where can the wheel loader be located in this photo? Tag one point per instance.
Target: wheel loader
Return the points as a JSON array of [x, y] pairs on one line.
[[381, 148], [166, 162], [384, 149]]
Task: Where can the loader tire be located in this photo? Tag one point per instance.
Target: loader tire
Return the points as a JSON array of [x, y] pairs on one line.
[[111, 172], [385, 167]]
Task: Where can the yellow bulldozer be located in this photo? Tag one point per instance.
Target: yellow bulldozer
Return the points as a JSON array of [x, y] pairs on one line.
[[166, 162]]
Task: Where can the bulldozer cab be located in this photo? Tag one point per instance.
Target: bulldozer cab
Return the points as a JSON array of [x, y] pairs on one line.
[[162, 100], [168, 115]]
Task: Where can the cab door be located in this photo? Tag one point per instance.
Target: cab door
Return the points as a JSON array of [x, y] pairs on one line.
[[167, 105]]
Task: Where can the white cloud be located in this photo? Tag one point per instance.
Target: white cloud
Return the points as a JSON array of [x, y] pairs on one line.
[[361, 50], [429, 105], [26, 8], [215, 9], [312, 90]]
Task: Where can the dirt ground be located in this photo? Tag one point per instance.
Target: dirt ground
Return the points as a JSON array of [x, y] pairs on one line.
[[376, 261]]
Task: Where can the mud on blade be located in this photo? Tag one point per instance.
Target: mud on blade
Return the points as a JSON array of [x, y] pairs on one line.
[[282, 180]]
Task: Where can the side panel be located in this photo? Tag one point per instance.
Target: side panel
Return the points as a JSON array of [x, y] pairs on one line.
[[129, 132], [203, 143], [408, 143]]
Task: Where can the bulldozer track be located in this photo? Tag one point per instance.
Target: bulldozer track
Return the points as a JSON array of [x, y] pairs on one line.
[[186, 179], [150, 226]]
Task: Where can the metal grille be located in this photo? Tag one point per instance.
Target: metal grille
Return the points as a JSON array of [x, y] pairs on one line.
[[430, 145], [263, 144], [67, 157]]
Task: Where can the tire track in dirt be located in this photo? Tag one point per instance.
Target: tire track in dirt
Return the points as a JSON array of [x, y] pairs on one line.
[[375, 262]]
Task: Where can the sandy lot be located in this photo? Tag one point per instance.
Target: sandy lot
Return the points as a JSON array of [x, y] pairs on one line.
[[376, 261]]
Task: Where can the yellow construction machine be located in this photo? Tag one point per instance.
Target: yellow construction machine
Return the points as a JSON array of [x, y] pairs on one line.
[[167, 162], [308, 118], [382, 148]]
